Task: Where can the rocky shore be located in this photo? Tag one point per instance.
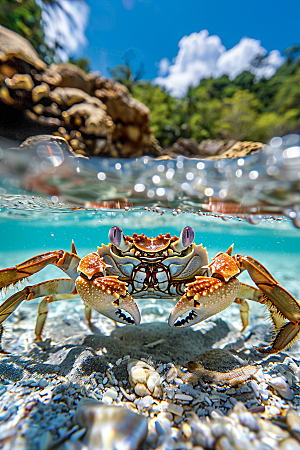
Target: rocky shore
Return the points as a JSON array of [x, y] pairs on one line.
[[97, 116]]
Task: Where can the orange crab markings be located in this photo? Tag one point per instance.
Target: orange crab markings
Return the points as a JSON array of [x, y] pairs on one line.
[[91, 264], [202, 287], [224, 265], [111, 285], [146, 244]]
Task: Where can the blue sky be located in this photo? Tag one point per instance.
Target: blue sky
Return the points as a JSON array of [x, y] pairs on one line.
[[150, 31]]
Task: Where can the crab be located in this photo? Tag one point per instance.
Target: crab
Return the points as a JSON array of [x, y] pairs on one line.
[[137, 266]]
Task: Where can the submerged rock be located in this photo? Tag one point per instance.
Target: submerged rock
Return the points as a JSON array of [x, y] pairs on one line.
[[110, 427]]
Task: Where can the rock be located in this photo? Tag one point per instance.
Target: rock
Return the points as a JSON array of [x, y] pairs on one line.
[[110, 427], [144, 379], [213, 149], [65, 101], [14, 46], [74, 77], [281, 387]]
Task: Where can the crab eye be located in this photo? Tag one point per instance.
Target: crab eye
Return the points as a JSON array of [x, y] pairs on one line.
[[116, 237], [185, 240], [187, 236]]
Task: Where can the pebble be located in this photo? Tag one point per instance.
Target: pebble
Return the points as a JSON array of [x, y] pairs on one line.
[[110, 427], [112, 393], [43, 383], [78, 434], [107, 400], [254, 387], [281, 387], [175, 409], [144, 402], [184, 397]]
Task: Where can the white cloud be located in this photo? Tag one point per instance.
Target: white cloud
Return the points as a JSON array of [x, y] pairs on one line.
[[164, 65], [203, 56], [65, 25]]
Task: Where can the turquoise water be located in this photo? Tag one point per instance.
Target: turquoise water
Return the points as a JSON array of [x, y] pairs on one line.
[[275, 243], [24, 234]]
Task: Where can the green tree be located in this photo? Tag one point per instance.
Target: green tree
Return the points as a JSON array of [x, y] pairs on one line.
[[239, 114], [163, 110], [25, 18]]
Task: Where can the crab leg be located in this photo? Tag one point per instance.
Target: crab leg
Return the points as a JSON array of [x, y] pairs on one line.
[[67, 262], [244, 312], [58, 286], [43, 311], [279, 301]]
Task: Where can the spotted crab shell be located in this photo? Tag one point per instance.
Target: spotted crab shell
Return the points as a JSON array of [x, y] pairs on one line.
[[150, 244]]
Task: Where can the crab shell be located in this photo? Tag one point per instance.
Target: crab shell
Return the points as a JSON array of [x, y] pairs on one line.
[[151, 245]]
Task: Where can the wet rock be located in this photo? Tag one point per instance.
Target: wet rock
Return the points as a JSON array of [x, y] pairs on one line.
[[144, 379], [110, 427], [14, 46], [293, 423], [281, 387], [213, 149]]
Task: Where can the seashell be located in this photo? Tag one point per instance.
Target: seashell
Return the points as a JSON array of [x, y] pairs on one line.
[[223, 444], [138, 374], [110, 427], [141, 390], [281, 387], [153, 381], [270, 429], [268, 442], [144, 379]]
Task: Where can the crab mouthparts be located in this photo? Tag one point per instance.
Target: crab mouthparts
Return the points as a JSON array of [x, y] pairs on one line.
[[184, 319], [124, 315]]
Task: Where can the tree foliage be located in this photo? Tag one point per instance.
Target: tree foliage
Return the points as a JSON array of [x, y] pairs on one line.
[[25, 18], [239, 109]]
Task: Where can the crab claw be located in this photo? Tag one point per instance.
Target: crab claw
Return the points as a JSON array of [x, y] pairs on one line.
[[107, 295], [204, 298]]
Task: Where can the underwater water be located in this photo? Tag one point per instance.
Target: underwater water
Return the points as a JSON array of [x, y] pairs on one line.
[[253, 202], [276, 244]]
